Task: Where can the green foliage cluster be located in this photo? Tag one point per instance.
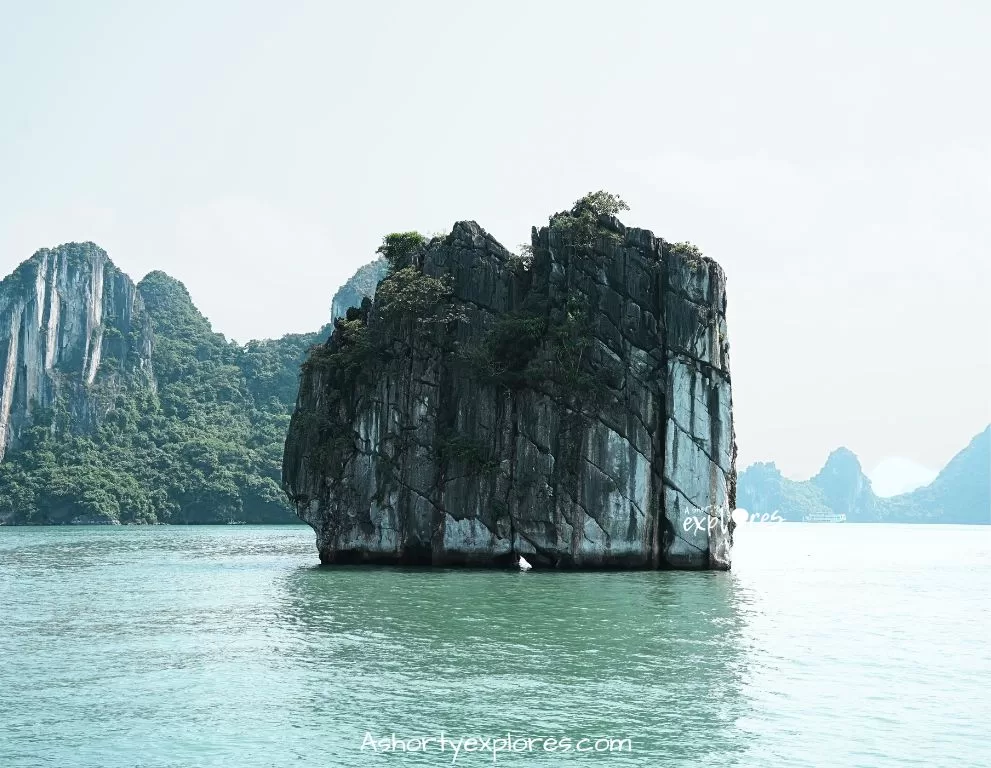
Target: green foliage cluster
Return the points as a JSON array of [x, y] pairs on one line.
[[513, 343], [360, 343], [599, 203], [350, 354], [579, 227], [529, 349], [690, 252], [203, 446], [409, 305], [570, 340], [398, 248], [520, 263], [408, 293], [538, 348]]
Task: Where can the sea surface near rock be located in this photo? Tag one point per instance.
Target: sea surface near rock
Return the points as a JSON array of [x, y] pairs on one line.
[[576, 410], [229, 649]]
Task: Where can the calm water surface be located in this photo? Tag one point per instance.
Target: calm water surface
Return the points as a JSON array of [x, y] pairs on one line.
[[227, 646]]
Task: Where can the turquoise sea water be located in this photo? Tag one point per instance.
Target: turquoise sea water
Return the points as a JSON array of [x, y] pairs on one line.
[[827, 645]]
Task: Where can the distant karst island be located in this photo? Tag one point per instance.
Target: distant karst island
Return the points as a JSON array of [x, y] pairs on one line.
[[840, 492]]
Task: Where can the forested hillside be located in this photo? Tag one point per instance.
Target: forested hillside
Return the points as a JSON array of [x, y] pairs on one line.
[[200, 440]]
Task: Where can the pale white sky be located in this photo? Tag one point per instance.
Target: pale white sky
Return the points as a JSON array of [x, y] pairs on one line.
[[833, 157]]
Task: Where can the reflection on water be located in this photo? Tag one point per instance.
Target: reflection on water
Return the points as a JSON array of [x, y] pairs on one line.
[[226, 646]]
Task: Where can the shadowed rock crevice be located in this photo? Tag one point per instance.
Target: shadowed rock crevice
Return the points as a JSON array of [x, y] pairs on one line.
[[484, 406]]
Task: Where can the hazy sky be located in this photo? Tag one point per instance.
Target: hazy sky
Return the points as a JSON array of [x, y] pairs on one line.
[[834, 159]]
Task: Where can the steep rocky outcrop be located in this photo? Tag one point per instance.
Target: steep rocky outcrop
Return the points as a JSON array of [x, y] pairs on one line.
[[961, 493], [574, 408], [73, 331]]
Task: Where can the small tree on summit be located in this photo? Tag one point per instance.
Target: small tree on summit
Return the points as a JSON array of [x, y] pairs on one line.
[[599, 203], [399, 247], [580, 226]]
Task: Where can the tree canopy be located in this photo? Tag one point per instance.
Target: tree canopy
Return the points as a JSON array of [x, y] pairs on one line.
[[399, 247]]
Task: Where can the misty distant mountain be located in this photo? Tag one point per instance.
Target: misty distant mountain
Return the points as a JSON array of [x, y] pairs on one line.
[[961, 493]]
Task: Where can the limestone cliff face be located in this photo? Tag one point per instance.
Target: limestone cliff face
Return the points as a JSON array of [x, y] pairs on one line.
[[576, 410], [72, 330]]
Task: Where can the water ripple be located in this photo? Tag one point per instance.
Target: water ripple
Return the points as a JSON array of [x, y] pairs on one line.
[[227, 646]]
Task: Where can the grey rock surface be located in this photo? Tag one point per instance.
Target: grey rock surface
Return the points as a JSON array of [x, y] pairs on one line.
[[635, 470]]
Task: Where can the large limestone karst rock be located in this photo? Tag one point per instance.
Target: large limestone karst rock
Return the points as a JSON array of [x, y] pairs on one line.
[[64, 314], [574, 409]]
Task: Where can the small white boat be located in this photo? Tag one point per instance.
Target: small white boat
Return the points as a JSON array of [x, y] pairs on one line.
[[524, 565], [824, 517]]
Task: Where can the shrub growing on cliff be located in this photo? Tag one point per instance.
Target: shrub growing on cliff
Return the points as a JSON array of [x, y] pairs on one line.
[[425, 302], [580, 226], [509, 348], [520, 263], [398, 248], [350, 354], [690, 252], [599, 203], [408, 304], [528, 349], [411, 293]]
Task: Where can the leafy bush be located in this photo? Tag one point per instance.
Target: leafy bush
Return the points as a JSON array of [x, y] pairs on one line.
[[691, 253], [349, 356], [408, 293], [527, 350], [521, 263], [399, 248], [514, 341], [599, 203], [580, 226]]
